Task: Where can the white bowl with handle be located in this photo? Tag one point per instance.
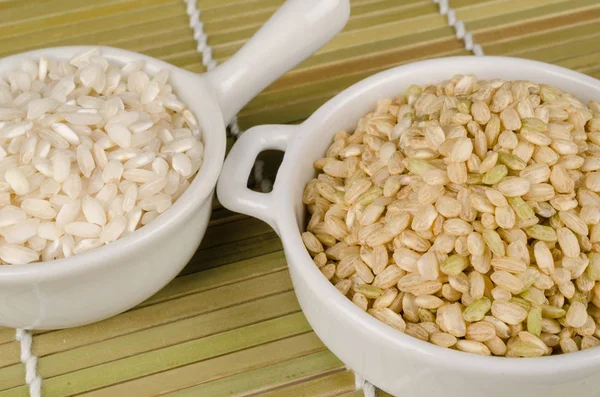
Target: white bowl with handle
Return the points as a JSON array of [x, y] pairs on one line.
[[397, 363], [106, 281]]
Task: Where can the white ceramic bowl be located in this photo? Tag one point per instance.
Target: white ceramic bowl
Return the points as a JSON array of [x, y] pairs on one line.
[[106, 281], [397, 363]]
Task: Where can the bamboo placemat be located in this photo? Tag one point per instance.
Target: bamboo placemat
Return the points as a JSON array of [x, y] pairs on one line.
[[230, 325]]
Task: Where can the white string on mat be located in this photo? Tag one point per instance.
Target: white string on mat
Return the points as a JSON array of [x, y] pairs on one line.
[[33, 380], [459, 27], [361, 383], [207, 60]]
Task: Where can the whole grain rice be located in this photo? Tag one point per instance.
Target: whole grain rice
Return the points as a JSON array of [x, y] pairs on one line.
[[465, 213]]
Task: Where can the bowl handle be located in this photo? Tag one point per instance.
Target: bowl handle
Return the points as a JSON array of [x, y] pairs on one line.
[[232, 188], [297, 30]]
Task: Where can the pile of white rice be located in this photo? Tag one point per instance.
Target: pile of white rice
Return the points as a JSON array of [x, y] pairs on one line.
[[89, 152]]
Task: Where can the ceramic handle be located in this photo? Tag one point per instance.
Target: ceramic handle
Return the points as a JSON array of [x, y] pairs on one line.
[[297, 30], [232, 188]]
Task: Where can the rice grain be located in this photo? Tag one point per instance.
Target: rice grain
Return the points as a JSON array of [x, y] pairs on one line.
[[469, 208]]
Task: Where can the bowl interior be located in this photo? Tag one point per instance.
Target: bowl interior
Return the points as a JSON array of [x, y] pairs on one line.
[[194, 90], [343, 113]]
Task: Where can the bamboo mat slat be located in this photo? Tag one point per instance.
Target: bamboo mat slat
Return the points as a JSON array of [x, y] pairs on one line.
[[216, 374], [204, 350], [105, 357], [6, 335], [328, 385], [261, 379], [103, 9], [561, 32], [229, 324]]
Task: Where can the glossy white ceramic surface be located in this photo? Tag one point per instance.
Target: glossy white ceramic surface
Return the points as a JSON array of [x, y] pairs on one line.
[[397, 363], [106, 281]]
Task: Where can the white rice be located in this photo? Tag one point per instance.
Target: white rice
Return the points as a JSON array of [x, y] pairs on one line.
[[89, 152]]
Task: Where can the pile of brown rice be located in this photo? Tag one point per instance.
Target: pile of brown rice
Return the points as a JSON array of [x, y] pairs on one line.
[[467, 214]]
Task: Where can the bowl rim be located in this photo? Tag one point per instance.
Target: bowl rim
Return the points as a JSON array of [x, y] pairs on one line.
[[312, 278], [196, 195]]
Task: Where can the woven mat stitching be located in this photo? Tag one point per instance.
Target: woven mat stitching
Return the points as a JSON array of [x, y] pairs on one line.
[[205, 50], [32, 379], [459, 27]]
